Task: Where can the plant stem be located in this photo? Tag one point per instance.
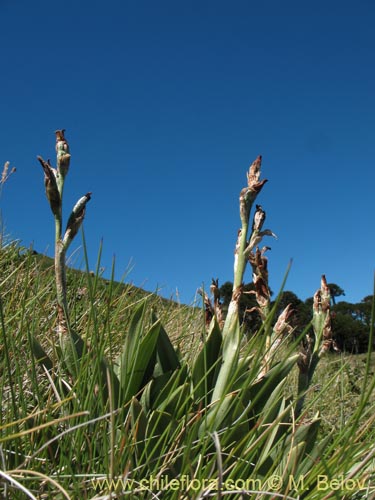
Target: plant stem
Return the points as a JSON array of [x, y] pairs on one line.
[[231, 333], [60, 279], [315, 345], [60, 251], [240, 259]]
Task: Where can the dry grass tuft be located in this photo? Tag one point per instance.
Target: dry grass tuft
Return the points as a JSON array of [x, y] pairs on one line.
[[6, 174]]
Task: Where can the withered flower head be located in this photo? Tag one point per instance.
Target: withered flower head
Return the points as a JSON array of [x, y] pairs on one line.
[[52, 192], [253, 176], [250, 192], [62, 150], [214, 289], [259, 218]]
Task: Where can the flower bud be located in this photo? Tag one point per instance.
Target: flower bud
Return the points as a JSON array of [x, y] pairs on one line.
[[75, 219], [52, 191], [62, 151]]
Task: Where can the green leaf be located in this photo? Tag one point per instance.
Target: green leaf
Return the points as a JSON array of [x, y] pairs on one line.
[[40, 355], [207, 363], [138, 427], [230, 358], [297, 451], [272, 425], [260, 391], [73, 348], [132, 340], [228, 415], [139, 349], [167, 359], [160, 429], [171, 393]]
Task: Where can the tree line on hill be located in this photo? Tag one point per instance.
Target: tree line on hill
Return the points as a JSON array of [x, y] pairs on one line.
[[350, 322]]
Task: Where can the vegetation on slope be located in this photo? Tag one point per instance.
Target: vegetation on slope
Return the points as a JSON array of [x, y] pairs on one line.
[[99, 402]]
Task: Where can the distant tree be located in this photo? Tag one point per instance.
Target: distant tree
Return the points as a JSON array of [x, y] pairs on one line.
[[286, 298], [350, 334], [368, 299], [350, 322], [226, 293], [309, 302], [365, 310], [351, 325], [336, 291]]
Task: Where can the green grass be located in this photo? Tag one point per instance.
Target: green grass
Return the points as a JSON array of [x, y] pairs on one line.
[[109, 392], [62, 437], [110, 302]]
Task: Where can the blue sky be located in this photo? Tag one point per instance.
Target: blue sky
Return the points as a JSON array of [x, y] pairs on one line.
[[166, 104]]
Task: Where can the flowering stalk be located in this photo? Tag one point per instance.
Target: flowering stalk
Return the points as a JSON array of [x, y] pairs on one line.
[[215, 310], [231, 329], [54, 184], [316, 345], [247, 197]]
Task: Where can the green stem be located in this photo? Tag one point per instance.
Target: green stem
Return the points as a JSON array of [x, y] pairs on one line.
[[231, 333], [60, 278], [240, 256], [58, 227], [60, 271]]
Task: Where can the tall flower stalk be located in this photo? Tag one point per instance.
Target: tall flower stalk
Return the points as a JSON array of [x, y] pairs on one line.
[[54, 180], [317, 343], [231, 330]]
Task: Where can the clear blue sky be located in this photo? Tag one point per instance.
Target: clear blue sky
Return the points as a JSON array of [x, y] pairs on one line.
[[166, 103]]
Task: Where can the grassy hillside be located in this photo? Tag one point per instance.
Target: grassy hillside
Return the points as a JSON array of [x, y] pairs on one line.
[[110, 392], [27, 278], [60, 444]]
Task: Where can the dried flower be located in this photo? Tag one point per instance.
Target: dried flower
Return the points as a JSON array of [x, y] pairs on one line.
[[6, 174], [249, 193], [208, 309], [50, 183], [259, 263]]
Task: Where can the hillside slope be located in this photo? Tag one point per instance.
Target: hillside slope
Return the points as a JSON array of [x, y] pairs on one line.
[[28, 295]]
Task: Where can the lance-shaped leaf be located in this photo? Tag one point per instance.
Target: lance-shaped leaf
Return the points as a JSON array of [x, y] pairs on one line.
[[40, 355], [207, 363], [167, 358], [75, 219], [50, 183]]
